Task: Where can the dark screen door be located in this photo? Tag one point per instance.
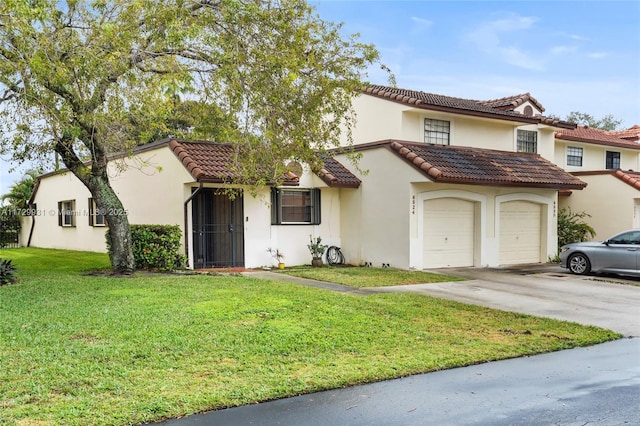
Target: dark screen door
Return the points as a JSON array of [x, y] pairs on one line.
[[218, 230]]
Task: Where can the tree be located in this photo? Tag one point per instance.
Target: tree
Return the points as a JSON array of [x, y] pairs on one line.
[[608, 122], [81, 78], [20, 192]]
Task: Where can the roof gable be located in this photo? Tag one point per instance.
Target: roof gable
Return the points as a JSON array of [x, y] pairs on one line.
[[476, 166]]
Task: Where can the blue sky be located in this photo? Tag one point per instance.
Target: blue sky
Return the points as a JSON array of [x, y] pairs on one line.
[[570, 55]]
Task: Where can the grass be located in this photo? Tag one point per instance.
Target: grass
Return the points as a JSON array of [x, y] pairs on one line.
[[78, 349], [368, 277]]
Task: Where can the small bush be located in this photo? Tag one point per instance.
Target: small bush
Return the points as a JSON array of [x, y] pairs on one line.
[[156, 247], [572, 227], [8, 272]]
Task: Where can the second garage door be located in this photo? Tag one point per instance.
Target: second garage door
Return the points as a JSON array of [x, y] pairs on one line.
[[449, 233], [520, 226]]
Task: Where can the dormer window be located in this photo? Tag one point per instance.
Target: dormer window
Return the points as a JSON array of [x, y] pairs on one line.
[[436, 131], [527, 141]]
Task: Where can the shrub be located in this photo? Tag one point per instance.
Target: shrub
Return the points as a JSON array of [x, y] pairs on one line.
[[156, 247], [8, 272], [572, 227]]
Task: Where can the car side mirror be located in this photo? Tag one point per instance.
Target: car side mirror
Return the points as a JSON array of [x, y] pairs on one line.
[[606, 242]]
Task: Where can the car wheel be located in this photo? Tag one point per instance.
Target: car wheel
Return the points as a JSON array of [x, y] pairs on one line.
[[579, 264]]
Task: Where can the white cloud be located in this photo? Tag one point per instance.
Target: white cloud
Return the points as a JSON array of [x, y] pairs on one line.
[[597, 55], [421, 22], [489, 38], [562, 50]]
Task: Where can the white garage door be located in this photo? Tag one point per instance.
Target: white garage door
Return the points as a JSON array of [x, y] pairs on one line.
[[449, 230], [520, 232]]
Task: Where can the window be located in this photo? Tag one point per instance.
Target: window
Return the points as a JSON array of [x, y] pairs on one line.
[[527, 141], [631, 237], [96, 217], [67, 213], [574, 156], [436, 131], [295, 206], [613, 160]]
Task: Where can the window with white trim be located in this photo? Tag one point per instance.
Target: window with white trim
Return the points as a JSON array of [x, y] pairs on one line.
[[67, 213], [574, 156], [437, 131], [527, 141], [295, 206], [612, 160], [96, 217]]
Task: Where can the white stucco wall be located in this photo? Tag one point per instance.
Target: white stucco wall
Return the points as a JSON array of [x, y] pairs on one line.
[[594, 156], [612, 204], [150, 187], [291, 240], [380, 119]]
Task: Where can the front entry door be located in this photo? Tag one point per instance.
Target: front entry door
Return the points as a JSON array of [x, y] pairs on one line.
[[218, 230]]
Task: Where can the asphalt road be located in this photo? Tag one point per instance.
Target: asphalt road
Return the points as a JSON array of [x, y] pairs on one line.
[[598, 385]]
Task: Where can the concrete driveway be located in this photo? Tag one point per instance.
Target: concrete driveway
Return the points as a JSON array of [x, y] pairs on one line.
[[546, 291]]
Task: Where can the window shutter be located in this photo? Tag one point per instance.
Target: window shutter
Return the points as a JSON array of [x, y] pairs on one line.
[[59, 214], [91, 211], [275, 206], [316, 213]]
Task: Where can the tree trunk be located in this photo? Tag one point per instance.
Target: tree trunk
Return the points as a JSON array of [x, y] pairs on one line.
[[108, 203], [96, 179]]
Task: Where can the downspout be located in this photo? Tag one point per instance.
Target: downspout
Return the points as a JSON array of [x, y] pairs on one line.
[[186, 219], [33, 225]]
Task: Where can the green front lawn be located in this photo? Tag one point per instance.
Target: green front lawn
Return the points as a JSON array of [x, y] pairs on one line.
[[78, 349], [367, 277]]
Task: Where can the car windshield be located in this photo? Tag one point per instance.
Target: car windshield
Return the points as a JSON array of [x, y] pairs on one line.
[[631, 237]]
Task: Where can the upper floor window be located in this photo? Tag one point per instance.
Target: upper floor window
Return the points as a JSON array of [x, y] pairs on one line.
[[436, 131], [67, 213], [613, 160], [295, 206], [96, 217], [527, 141], [574, 156]]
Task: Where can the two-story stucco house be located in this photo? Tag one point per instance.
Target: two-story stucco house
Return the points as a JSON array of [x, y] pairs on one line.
[[608, 163], [449, 182]]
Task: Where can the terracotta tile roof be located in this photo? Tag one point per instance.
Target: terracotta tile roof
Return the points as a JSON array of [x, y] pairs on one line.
[[334, 174], [632, 133], [476, 166], [630, 177], [510, 102], [208, 161], [595, 136], [472, 107]]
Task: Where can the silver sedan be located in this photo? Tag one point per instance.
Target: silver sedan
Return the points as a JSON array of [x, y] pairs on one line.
[[619, 254]]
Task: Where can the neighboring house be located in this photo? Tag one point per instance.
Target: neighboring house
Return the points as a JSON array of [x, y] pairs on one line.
[[449, 182], [608, 163]]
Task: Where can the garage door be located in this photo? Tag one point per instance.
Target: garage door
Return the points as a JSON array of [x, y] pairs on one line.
[[519, 232], [449, 230]]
